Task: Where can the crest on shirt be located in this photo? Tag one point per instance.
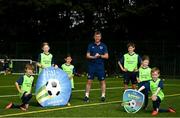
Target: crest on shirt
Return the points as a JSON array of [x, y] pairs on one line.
[[101, 47]]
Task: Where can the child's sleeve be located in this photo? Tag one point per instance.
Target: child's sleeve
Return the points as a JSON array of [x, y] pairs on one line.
[[62, 66], [121, 59], [20, 80], [53, 60], [39, 58], [161, 84], [74, 71], [137, 75], [139, 61], [33, 83]]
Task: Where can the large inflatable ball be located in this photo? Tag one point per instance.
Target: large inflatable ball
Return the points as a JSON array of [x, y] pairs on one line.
[[132, 100], [53, 87]]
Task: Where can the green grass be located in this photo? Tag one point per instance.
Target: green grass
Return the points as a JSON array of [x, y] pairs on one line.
[[95, 108]]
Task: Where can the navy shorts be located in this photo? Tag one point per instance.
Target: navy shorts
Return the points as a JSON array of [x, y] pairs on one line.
[[96, 70], [6, 66], [26, 99], [156, 104], [130, 76]]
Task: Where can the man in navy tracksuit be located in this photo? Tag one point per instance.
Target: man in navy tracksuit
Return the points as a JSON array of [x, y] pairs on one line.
[[96, 54]]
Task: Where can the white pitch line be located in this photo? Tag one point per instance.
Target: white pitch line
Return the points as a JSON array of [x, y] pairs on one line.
[[4, 96], [70, 107], [11, 86], [7, 86], [98, 82], [74, 91], [60, 108], [75, 84]]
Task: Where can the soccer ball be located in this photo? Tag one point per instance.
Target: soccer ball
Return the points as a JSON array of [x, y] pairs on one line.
[[53, 87], [132, 103]]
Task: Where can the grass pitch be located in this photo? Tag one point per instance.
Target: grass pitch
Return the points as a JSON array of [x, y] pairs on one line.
[[95, 108]]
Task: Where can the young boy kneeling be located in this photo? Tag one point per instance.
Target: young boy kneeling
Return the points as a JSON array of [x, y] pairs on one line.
[[24, 86], [156, 86]]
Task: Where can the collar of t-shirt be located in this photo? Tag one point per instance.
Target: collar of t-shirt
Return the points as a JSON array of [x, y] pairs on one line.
[[155, 80], [144, 67], [67, 64], [131, 53], [27, 75], [97, 44], [46, 53]]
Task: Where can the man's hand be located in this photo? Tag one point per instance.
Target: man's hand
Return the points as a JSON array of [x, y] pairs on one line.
[[97, 55]]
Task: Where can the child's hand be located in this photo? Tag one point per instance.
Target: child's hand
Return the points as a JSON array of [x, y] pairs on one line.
[[26, 94], [135, 70], [20, 91], [154, 97], [124, 70], [138, 81], [70, 77], [56, 66], [42, 67], [136, 89]]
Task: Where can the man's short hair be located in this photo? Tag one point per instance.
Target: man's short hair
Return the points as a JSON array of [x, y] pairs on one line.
[[97, 33]]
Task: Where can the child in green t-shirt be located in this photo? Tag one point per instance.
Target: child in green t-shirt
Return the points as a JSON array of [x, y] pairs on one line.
[[69, 69], [24, 86], [143, 77], [156, 86]]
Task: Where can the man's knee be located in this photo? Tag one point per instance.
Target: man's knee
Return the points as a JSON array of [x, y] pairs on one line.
[[89, 82], [103, 82]]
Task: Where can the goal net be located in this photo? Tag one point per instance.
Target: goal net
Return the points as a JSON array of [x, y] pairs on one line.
[[17, 65]]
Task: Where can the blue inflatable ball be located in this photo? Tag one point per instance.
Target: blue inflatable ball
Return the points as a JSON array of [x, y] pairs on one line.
[[53, 87]]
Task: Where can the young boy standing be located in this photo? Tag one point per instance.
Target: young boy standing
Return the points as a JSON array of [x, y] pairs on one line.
[[45, 59], [69, 69], [129, 65]]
